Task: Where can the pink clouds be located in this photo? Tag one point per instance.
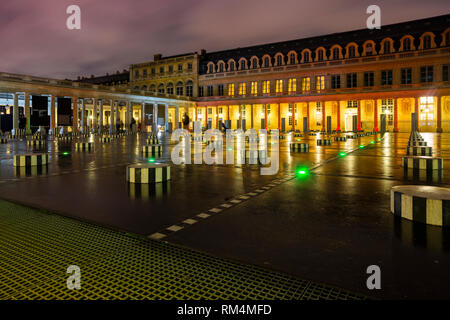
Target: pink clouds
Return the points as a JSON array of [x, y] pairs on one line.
[[116, 33]]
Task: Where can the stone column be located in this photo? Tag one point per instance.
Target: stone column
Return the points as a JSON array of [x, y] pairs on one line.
[[438, 114], [16, 114], [359, 116], [94, 116], [83, 121], [395, 115], [100, 117], [416, 110], [293, 117], [27, 112], [166, 118], [375, 115], [324, 118], [74, 114], [52, 116], [111, 118], [127, 116], [177, 114], [155, 118], [338, 116], [143, 117], [251, 116]]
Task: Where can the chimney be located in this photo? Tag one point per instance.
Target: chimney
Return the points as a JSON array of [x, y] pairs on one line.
[[202, 52], [157, 57]]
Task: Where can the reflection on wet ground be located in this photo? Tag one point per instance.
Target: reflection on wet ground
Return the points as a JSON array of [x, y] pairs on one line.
[[327, 226]]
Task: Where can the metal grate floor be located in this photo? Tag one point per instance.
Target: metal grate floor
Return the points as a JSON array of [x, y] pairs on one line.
[[37, 247]]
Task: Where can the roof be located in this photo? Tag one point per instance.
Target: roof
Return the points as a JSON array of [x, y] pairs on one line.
[[395, 31]]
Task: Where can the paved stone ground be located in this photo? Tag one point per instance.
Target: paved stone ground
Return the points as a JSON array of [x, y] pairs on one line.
[[326, 227]]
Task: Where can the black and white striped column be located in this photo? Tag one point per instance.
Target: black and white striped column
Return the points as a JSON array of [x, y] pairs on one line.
[[419, 151], [148, 173], [153, 149], [340, 138], [84, 146], [3, 140], [425, 204], [29, 160], [422, 163], [323, 142], [36, 143], [299, 147]]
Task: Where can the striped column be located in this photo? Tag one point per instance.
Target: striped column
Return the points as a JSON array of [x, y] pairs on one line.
[[324, 142], [419, 151], [422, 163], [148, 173], [3, 140], [84, 146], [425, 204], [340, 138], [28, 160], [36, 143], [153, 149], [299, 147]]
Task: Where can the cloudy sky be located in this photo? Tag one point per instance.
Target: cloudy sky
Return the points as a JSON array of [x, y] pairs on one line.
[[115, 33]]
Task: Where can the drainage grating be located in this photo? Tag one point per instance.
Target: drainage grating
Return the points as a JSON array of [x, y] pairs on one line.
[[37, 247]]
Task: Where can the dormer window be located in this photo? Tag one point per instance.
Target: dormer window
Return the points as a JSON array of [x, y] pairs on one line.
[[351, 52], [407, 44], [320, 55], [306, 57], [369, 49], [292, 58], [387, 47], [427, 42]]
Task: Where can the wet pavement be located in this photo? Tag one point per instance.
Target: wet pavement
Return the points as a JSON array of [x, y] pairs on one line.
[[328, 226]]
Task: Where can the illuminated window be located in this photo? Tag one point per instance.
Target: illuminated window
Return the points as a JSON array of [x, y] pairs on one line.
[[352, 104], [387, 107], [266, 87], [279, 86], [292, 85], [254, 88], [242, 89], [231, 89], [319, 111], [426, 109], [306, 84], [290, 114], [320, 83]]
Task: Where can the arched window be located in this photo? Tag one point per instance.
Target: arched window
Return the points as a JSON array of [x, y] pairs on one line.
[[279, 60], [320, 55], [161, 88], [211, 68], [153, 88], [407, 44], [306, 56], [387, 47], [136, 87], [232, 66], [144, 88], [351, 52], [292, 58], [254, 63], [179, 88], [189, 88], [336, 54], [170, 88], [242, 65], [266, 62], [221, 67], [427, 42]]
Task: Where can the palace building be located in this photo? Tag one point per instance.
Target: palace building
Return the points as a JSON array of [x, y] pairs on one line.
[[356, 80]]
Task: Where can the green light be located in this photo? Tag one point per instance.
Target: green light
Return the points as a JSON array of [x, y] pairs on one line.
[[65, 153], [151, 160], [230, 149], [299, 139], [361, 147], [302, 172], [342, 154], [372, 142]]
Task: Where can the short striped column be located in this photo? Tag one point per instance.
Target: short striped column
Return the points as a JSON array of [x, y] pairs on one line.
[[3, 140], [417, 143], [419, 151], [152, 140], [298, 135], [425, 204], [65, 138], [311, 134], [36, 143], [107, 139], [351, 136], [29, 160], [282, 137], [340, 138], [323, 142], [299, 147], [32, 171], [422, 163], [148, 173], [153, 149], [84, 146]]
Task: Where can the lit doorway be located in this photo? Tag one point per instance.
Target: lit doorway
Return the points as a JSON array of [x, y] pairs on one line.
[[350, 111], [426, 114], [387, 108]]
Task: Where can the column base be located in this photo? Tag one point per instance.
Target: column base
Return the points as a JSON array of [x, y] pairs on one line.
[[439, 130]]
